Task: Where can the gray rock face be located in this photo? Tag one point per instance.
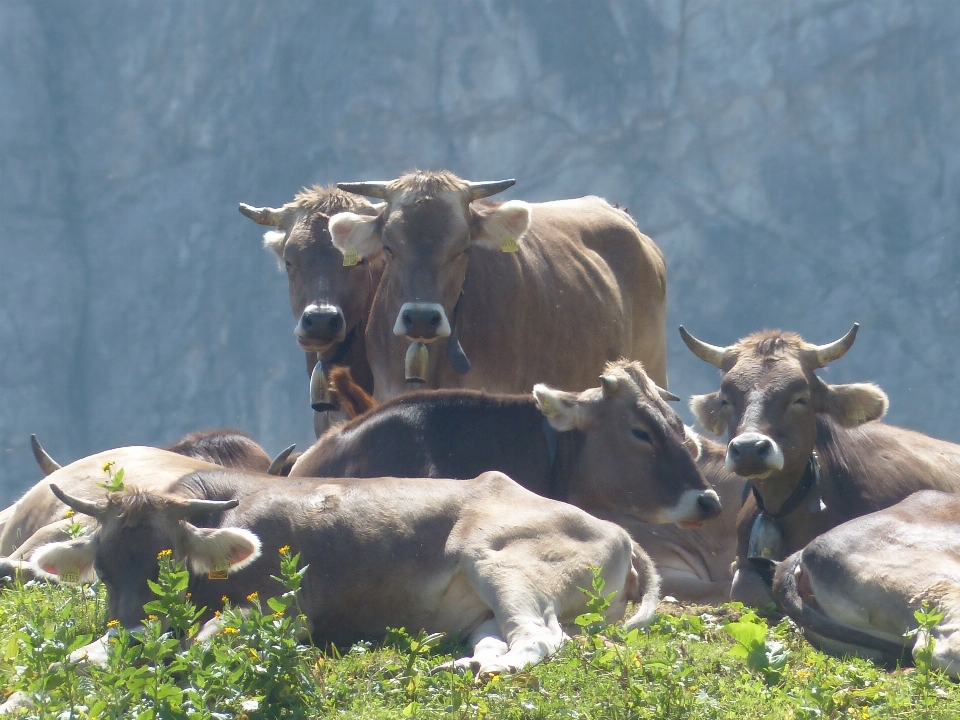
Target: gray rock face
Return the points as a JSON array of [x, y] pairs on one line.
[[797, 162]]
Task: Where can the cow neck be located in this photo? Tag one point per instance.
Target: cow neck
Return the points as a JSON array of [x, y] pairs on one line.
[[811, 478], [561, 450]]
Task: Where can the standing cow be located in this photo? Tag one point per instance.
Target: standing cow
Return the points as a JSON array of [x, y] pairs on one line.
[[505, 294], [330, 300], [810, 450]]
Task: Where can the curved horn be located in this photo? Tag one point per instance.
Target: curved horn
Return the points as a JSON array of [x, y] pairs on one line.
[[609, 384], [46, 463], [277, 465], [837, 349], [666, 394], [86, 507], [371, 188], [486, 189], [708, 353], [262, 216], [195, 506]]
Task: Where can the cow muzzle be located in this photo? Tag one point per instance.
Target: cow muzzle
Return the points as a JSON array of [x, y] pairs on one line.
[[319, 327], [422, 322], [694, 507], [753, 455]]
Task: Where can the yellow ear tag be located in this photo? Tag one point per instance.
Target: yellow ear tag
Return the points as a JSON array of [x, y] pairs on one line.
[[350, 257], [509, 244], [546, 407], [73, 576], [220, 571], [859, 415]]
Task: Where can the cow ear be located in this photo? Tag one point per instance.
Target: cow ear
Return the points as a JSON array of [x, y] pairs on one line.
[[855, 404], [503, 227], [222, 549], [355, 233], [69, 562], [274, 240], [561, 409], [706, 408]]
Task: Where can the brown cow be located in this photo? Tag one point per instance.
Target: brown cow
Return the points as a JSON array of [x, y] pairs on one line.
[[462, 433], [483, 559], [331, 301], [854, 589], [545, 292], [809, 449]]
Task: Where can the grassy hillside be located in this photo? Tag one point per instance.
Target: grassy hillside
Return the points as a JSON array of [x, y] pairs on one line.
[[688, 665]]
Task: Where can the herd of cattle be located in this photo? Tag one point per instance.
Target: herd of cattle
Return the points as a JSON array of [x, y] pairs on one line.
[[442, 494]]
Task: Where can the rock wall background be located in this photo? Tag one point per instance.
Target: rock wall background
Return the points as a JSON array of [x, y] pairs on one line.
[[798, 162]]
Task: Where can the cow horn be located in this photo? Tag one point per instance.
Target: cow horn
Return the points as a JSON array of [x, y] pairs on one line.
[[46, 463], [262, 216], [197, 506], [708, 353], [609, 384], [86, 507], [277, 465], [837, 349], [666, 394], [371, 188], [486, 189]]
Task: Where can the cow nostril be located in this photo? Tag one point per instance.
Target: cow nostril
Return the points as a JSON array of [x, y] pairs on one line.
[[407, 320], [435, 320], [734, 452], [709, 503], [335, 322], [305, 320], [763, 446]]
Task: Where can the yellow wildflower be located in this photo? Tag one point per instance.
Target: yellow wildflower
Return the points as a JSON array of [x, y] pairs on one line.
[[216, 613], [230, 631], [113, 623], [285, 550], [803, 674], [224, 599], [108, 466], [252, 597], [152, 617], [164, 554], [69, 513], [277, 615]]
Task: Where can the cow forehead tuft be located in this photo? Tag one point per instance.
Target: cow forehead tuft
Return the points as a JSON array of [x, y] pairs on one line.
[[769, 343], [329, 200], [426, 182]]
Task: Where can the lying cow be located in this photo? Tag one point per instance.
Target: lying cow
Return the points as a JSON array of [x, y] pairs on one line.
[[330, 300], [854, 589], [483, 559], [811, 451], [511, 293], [618, 451]]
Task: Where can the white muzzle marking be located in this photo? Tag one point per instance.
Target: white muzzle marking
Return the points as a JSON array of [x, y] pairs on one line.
[[443, 330], [688, 508]]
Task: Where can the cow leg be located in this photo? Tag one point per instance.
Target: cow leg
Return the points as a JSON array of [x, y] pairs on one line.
[[487, 645], [750, 588]]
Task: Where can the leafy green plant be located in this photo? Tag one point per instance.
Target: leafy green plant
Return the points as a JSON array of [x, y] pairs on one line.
[[762, 653]]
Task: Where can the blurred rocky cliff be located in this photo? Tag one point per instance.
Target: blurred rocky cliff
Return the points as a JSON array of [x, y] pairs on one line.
[[798, 162]]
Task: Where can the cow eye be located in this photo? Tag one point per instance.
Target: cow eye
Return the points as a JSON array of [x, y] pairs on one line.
[[387, 250], [287, 263], [724, 404], [641, 435], [800, 401]]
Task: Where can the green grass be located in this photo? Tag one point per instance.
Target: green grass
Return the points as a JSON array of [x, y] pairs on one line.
[[695, 662]]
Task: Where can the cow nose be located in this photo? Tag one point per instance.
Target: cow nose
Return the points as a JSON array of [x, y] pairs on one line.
[[422, 321], [322, 323], [752, 454], [749, 445], [709, 503]]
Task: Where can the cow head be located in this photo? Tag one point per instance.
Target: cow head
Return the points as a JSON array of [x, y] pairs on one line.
[[328, 296], [636, 457], [134, 527], [426, 230], [769, 400]]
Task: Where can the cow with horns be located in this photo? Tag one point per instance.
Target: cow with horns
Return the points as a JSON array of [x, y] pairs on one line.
[[811, 451], [511, 293], [330, 299]]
